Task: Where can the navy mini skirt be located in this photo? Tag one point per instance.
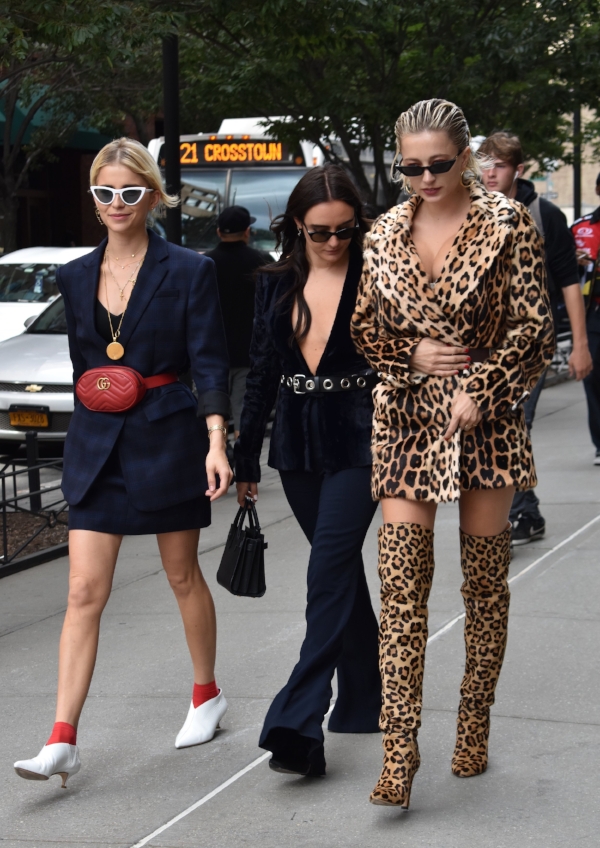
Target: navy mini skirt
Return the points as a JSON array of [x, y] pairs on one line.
[[106, 508]]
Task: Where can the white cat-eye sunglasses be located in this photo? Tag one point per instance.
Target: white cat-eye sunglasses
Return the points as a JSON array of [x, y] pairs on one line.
[[130, 196]]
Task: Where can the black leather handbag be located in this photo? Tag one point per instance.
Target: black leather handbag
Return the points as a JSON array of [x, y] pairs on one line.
[[242, 568]]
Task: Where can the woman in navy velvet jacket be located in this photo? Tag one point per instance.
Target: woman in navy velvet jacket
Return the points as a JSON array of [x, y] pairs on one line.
[[303, 357], [151, 306]]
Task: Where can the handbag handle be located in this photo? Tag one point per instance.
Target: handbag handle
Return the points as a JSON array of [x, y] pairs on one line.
[[252, 514]]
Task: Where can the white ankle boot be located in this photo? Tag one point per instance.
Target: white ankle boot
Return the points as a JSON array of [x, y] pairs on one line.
[[58, 758], [202, 722]]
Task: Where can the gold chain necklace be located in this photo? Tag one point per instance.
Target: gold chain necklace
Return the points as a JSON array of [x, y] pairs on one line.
[[131, 279], [115, 349], [133, 255]]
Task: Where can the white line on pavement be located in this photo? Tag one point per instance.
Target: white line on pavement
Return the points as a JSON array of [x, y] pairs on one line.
[[434, 636]]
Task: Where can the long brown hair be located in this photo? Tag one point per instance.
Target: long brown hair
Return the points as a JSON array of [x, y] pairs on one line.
[[320, 185]]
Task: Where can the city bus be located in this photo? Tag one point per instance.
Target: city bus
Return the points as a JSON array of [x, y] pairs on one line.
[[242, 165]]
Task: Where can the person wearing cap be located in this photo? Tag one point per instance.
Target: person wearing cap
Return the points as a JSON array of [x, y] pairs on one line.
[[587, 238], [505, 176], [236, 263]]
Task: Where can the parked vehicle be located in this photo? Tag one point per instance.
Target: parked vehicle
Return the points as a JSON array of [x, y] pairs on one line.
[[36, 379], [28, 284]]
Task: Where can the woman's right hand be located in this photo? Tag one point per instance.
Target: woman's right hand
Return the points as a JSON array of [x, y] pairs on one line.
[[244, 489], [438, 359]]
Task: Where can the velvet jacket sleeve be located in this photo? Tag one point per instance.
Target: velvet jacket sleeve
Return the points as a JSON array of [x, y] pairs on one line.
[[262, 385], [206, 343], [507, 377], [384, 353]]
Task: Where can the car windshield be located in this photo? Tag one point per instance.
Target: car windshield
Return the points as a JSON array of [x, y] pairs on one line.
[[52, 320], [27, 283], [265, 194]]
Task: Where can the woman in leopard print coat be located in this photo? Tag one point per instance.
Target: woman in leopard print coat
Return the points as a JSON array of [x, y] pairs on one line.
[[452, 312]]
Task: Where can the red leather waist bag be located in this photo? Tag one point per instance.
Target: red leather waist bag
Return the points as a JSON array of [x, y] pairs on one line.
[[116, 388]]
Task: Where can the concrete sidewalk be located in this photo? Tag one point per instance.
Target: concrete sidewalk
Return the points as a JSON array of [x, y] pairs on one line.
[[543, 783]]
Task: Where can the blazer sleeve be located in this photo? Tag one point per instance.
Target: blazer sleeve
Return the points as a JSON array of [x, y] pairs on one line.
[[79, 364], [386, 354], [206, 343], [262, 385], [507, 377]]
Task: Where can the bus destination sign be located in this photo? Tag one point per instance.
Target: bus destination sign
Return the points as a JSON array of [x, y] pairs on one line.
[[233, 152]]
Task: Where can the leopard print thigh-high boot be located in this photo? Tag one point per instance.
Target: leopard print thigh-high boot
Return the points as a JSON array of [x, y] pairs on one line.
[[485, 561], [406, 572]]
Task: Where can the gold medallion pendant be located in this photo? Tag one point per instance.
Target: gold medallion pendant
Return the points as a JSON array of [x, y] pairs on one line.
[[115, 350]]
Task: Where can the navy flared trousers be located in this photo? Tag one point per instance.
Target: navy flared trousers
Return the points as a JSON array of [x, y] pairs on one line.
[[334, 511]]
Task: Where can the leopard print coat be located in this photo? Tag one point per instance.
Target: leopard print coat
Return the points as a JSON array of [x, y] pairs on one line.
[[491, 294]]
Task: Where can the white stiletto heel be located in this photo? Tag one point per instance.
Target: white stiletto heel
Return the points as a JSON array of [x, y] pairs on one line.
[[202, 722], [59, 758]]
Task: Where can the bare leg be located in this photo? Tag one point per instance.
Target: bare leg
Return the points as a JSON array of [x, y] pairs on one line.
[[484, 512], [403, 511], [92, 564], [179, 554]]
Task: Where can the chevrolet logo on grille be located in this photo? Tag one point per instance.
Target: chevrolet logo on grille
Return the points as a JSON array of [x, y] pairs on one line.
[[33, 388]]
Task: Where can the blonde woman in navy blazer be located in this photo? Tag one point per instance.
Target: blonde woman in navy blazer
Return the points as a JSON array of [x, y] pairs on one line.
[[154, 469]]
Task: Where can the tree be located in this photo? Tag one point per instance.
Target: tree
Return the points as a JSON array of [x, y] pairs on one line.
[[69, 61], [344, 71]]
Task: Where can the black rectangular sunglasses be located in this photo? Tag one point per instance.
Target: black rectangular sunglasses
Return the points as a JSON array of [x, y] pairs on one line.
[[436, 168]]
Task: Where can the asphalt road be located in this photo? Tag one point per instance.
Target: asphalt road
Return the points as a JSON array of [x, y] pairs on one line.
[[135, 788]]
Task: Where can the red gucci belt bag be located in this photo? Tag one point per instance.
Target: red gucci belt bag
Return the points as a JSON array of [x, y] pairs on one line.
[[116, 388]]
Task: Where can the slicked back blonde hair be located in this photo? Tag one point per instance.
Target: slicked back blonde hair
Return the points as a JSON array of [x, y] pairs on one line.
[[438, 116], [132, 154]]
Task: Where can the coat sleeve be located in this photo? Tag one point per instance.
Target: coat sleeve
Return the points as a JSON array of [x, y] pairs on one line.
[[79, 364], [386, 354], [507, 377], [262, 385], [206, 343]]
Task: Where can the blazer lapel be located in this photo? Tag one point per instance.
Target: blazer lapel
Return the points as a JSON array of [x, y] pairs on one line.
[[89, 286], [151, 275]]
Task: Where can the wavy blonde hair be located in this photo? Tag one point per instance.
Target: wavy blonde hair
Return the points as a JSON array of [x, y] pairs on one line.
[[437, 116], [132, 154]]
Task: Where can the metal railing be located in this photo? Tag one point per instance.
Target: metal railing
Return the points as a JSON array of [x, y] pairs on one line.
[[35, 498]]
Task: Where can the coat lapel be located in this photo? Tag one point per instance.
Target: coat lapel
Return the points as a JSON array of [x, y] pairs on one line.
[[151, 275], [89, 286]]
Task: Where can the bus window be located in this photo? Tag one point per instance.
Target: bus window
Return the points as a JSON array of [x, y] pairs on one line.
[[203, 195], [264, 192]]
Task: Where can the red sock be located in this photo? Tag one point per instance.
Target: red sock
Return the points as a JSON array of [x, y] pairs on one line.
[[63, 732], [204, 692]]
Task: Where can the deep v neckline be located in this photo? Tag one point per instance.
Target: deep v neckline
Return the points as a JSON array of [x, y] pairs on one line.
[[432, 283]]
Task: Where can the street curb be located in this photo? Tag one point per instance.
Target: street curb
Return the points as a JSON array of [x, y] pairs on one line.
[[22, 563]]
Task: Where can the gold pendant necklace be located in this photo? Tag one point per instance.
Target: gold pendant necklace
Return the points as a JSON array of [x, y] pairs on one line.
[[132, 279], [133, 255], [115, 349]]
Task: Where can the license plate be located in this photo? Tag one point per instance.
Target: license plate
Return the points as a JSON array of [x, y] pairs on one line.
[[24, 418]]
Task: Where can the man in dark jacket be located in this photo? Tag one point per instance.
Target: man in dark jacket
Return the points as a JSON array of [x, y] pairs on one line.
[[236, 265], [563, 279]]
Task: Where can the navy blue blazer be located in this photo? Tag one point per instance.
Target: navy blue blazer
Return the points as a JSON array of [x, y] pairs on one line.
[[173, 321], [345, 419]]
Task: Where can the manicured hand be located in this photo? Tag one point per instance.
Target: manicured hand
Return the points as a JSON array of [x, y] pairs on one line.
[[465, 414], [438, 359], [580, 362], [244, 489], [217, 464]]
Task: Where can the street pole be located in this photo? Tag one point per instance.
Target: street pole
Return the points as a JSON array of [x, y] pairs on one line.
[[170, 50], [577, 162]]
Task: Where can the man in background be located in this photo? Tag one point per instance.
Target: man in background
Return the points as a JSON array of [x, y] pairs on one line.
[[562, 274], [587, 239], [236, 264]]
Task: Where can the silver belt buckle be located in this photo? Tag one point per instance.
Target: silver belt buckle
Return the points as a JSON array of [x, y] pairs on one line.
[[296, 383]]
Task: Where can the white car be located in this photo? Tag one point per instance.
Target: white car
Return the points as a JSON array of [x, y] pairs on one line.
[[36, 379], [28, 283]]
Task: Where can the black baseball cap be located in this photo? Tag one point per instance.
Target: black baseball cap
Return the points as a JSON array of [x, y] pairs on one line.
[[234, 219], [598, 180]]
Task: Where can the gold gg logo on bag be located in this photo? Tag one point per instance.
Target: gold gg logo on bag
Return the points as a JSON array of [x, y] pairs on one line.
[[103, 383]]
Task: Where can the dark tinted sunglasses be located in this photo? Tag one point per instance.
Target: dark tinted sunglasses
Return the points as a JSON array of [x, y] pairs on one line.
[[436, 168], [129, 196], [322, 235]]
